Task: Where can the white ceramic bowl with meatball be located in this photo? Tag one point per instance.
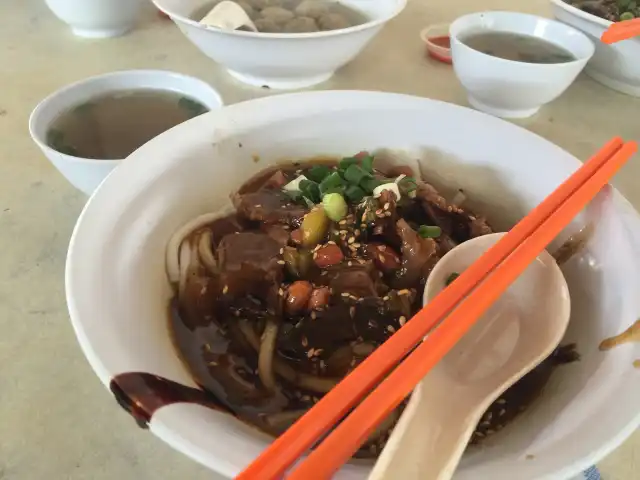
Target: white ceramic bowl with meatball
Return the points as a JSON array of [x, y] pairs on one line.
[[118, 290], [275, 59]]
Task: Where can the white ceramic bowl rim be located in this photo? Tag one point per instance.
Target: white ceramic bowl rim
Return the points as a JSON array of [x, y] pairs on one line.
[[400, 5], [34, 118], [581, 13], [455, 30]]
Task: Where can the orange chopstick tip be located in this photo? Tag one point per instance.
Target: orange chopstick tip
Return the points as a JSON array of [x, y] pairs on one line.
[[620, 31]]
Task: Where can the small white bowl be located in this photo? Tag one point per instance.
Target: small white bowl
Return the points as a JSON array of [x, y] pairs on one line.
[[511, 89], [86, 174], [618, 65], [97, 18], [281, 60]]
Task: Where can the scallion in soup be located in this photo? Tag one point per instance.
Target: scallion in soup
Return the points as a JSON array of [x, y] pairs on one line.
[[112, 126], [517, 47]]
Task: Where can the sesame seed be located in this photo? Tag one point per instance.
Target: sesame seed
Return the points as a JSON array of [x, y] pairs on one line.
[[387, 214], [323, 365], [304, 341], [485, 424], [315, 255], [501, 401], [280, 262], [404, 291], [324, 272], [310, 353], [305, 398], [349, 264], [213, 364], [352, 312], [386, 206], [345, 294], [480, 434], [402, 320], [342, 222], [356, 232], [236, 313], [317, 247], [488, 416], [353, 248], [343, 232], [280, 292], [313, 315], [490, 432], [381, 258], [331, 242], [364, 216], [502, 412], [379, 212], [372, 324], [351, 240], [225, 289], [385, 298], [353, 362], [207, 347], [258, 205], [357, 245], [361, 261], [281, 251], [472, 218], [390, 329], [382, 248], [318, 352]]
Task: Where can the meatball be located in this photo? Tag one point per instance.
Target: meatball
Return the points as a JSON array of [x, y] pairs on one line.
[[257, 4], [311, 8], [276, 14], [249, 10], [300, 25], [267, 25], [333, 21]]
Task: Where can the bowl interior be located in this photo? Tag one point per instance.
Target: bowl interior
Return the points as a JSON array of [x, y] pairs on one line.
[[555, 32], [118, 294]]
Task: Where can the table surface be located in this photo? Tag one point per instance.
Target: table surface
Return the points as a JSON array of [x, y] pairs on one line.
[[56, 419]]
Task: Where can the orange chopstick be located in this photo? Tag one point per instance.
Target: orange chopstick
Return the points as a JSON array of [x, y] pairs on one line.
[[345, 439], [621, 31], [286, 449]]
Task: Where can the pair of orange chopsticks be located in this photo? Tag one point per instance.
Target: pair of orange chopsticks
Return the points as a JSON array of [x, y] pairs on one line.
[[621, 31], [503, 263]]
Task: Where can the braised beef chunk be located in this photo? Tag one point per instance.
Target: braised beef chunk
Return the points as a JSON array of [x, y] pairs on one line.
[[269, 206], [354, 280], [249, 264], [455, 222], [417, 253]]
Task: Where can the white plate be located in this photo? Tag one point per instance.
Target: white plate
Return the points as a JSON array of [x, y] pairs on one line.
[[117, 292]]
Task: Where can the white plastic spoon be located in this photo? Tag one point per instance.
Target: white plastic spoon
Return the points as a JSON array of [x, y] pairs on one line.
[[228, 15], [513, 336]]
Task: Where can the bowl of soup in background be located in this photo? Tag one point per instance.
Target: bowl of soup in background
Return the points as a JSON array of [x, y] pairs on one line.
[[85, 129], [511, 63], [278, 59]]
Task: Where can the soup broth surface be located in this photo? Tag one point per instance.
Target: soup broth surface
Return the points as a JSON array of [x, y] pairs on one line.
[[112, 126], [517, 47]]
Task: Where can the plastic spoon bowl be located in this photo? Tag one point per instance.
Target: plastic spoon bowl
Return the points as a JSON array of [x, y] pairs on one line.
[[228, 15], [513, 337]]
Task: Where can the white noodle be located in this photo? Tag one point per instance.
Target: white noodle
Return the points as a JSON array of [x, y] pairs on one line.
[[185, 259], [173, 247], [204, 249]]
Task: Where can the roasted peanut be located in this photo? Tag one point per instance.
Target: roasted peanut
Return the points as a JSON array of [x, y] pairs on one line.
[[328, 255], [298, 295], [319, 298], [384, 257]]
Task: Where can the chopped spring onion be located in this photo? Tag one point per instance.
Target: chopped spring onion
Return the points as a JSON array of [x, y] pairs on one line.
[[310, 190], [429, 231], [332, 181], [354, 193], [367, 163], [294, 185], [347, 162], [334, 206], [369, 184], [451, 278], [354, 174], [318, 173]]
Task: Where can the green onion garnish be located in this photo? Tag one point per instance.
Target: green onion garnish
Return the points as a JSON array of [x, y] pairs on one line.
[[332, 181], [367, 163], [318, 173], [451, 278], [368, 184], [347, 162], [354, 174], [354, 193], [310, 190], [429, 231]]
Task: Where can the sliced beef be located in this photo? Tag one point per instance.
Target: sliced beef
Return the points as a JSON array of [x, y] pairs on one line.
[[456, 223], [417, 253], [357, 280], [269, 206]]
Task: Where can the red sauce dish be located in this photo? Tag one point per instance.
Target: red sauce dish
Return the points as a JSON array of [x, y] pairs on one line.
[[437, 41]]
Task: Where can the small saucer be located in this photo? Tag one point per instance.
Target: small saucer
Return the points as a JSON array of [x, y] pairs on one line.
[[437, 41]]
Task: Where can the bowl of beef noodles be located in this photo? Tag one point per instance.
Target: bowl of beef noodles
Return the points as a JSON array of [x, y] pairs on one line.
[[237, 267]]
